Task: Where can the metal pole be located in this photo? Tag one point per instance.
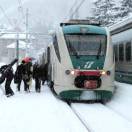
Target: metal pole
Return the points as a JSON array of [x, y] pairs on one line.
[[17, 48], [27, 32]]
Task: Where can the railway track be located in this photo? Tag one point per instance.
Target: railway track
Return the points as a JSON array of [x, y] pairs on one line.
[[100, 118], [122, 113], [82, 121], [97, 117]]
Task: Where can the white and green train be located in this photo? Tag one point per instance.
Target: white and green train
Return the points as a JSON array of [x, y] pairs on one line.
[[80, 62], [122, 41]]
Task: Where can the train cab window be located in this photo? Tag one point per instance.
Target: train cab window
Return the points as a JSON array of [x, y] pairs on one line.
[[121, 52], [116, 52], [128, 51], [80, 44], [55, 43]]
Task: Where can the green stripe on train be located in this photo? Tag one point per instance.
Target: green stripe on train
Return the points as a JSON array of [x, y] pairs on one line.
[[90, 29], [87, 62], [76, 95], [123, 78]]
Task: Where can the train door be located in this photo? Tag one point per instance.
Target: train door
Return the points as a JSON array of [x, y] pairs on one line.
[[49, 72], [48, 63]]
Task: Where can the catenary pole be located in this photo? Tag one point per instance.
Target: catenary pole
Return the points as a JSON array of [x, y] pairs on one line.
[[27, 32]]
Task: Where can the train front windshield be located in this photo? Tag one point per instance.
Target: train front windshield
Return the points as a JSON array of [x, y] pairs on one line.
[[86, 44]]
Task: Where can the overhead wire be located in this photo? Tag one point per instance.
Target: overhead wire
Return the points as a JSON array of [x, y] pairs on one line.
[[4, 13], [21, 10], [76, 9], [71, 9]]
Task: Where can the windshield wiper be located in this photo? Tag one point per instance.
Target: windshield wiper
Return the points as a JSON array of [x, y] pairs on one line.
[[74, 51], [99, 51], [77, 54]]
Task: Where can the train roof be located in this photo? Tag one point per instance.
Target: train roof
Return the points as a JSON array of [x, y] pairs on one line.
[[121, 26], [84, 29], [80, 22]]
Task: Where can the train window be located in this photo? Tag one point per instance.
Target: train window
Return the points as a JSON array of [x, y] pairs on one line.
[[116, 52], [86, 44], [121, 52], [128, 51], [55, 43]]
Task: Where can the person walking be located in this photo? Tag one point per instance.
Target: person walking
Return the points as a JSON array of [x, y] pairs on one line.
[[44, 73], [19, 75], [23, 72], [37, 75], [28, 75], [8, 77]]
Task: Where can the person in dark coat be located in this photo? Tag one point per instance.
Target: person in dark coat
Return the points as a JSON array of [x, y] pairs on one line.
[[44, 73], [20, 72], [23, 72], [8, 77], [37, 75], [28, 75]]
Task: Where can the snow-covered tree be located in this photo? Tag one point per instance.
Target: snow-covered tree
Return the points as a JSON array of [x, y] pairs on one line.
[[105, 11], [126, 8], [97, 12]]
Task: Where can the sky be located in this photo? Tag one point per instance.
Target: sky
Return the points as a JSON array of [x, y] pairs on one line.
[[40, 11]]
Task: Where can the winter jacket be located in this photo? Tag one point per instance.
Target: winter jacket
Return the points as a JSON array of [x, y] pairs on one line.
[[20, 72], [6, 73], [37, 71], [9, 73]]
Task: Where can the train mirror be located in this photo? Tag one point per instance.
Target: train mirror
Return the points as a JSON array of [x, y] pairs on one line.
[[51, 32]]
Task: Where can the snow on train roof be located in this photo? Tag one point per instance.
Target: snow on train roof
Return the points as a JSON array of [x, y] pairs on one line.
[[122, 23], [81, 22]]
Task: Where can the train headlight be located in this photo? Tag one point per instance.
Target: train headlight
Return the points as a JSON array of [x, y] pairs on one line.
[[72, 72], [105, 73], [67, 72], [108, 73]]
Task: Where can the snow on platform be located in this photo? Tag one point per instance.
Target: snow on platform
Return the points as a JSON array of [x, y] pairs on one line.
[[42, 112], [101, 119], [37, 112], [122, 100]]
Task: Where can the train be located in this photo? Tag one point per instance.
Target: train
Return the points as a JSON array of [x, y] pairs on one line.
[[80, 62], [121, 33]]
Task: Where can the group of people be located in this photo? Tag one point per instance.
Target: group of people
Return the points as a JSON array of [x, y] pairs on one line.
[[25, 72]]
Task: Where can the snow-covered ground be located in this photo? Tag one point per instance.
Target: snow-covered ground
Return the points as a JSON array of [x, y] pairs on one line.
[[39, 112], [122, 101], [99, 118], [36, 112], [115, 116]]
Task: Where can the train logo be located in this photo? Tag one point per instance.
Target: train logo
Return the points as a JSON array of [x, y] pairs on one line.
[[88, 64]]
